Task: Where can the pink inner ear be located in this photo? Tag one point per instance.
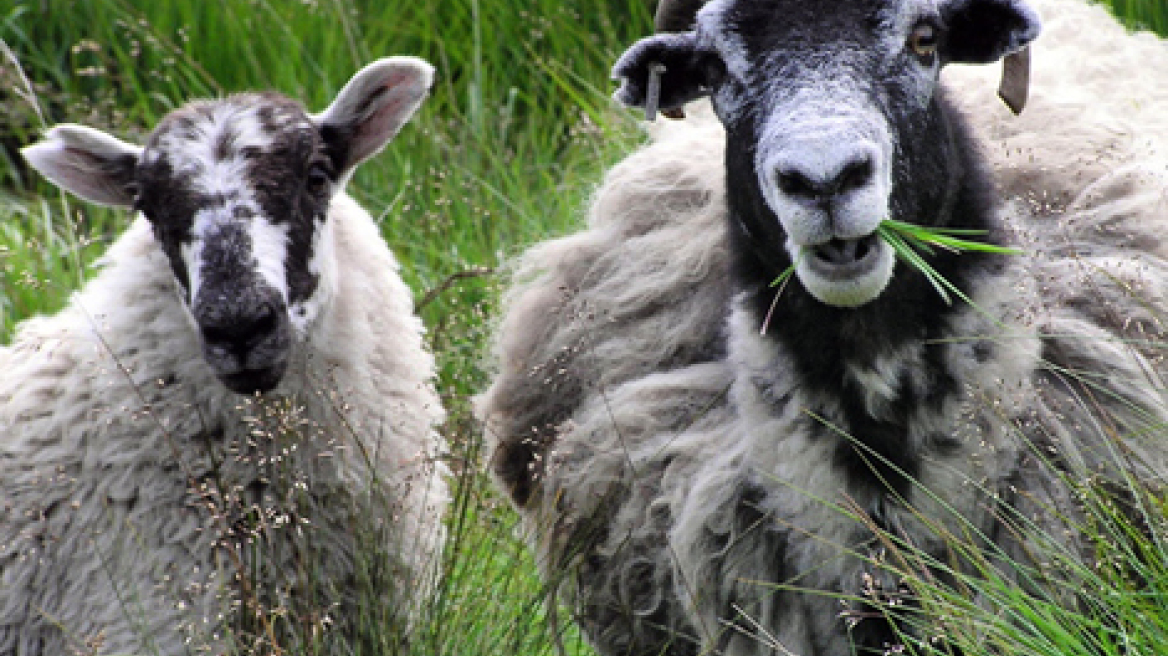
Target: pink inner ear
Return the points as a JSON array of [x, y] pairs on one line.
[[389, 118], [391, 103], [376, 103], [98, 177]]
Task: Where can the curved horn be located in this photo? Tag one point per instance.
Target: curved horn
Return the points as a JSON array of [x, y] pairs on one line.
[[676, 15]]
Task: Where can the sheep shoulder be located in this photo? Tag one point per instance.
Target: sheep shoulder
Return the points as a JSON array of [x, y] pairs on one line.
[[1083, 176], [629, 295]]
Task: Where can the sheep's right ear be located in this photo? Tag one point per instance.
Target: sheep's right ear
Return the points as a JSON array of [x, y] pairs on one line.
[[87, 163], [679, 65], [372, 107]]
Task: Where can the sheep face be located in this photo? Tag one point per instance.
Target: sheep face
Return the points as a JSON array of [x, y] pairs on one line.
[[832, 118], [237, 192]]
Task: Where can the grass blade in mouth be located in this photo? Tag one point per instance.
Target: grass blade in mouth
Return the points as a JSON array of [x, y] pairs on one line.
[[906, 252], [912, 243], [781, 283], [950, 239]]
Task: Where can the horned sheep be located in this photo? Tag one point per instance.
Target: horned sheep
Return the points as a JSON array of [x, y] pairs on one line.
[[708, 462], [234, 420]]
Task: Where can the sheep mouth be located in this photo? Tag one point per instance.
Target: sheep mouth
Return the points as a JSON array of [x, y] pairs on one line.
[[844, 259], [846, 273]]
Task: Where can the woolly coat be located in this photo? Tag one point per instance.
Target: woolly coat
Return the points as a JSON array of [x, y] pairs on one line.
[[674, 472], [143, 502]]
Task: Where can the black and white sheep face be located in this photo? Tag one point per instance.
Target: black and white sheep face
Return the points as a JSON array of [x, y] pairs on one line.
[[831, 116], [238, 192]]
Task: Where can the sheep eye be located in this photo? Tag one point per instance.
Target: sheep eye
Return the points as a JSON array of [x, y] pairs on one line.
[[923, 41], [318, 178]]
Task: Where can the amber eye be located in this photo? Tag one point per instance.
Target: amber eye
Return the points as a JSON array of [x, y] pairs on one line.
[[923, 41]]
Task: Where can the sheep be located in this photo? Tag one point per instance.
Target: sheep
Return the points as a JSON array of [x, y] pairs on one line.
[[707, 463], [234, 420]]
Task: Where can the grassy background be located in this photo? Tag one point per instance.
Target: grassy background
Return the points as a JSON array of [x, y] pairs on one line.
[[505, 153]]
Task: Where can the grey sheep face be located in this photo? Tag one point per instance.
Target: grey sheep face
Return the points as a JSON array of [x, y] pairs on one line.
[[237, 192], [832, 116]]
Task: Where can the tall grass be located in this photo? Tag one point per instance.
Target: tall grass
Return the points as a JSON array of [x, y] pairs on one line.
[[505, 153], [1113, 604]]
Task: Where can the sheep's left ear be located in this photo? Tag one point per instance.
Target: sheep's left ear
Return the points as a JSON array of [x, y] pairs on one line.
[[372, 107], [680, 72], [984, 31]]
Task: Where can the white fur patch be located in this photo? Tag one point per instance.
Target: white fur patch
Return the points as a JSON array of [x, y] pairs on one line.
[[269, 244], [192, 256], [194, 155], [819, 129], [881, 382], [323, 265]]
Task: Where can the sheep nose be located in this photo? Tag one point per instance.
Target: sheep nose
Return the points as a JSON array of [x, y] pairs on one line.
[[239, 333], [822, 180]]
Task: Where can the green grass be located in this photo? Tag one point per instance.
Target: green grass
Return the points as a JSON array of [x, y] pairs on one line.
[[1114, 605], [1144, 14], [504, 154]]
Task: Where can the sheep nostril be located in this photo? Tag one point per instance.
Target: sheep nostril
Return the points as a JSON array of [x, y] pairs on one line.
[[827, 179], [264, 324], [794, 183], [855, 175], [239, 334]]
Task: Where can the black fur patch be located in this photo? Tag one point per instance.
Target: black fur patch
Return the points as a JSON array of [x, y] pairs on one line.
[[983, 30], [170, 205], [336, 145]]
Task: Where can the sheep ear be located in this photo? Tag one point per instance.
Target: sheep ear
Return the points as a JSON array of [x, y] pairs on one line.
[[372, 107], [984, 31], [87, 163], [661, 72]]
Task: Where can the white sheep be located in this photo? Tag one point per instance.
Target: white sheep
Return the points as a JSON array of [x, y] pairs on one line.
[[703, 487], [234, 422]]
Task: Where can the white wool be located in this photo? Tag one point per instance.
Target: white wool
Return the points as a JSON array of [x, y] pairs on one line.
[[119, 444], [1095, 120], [673, 471]]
